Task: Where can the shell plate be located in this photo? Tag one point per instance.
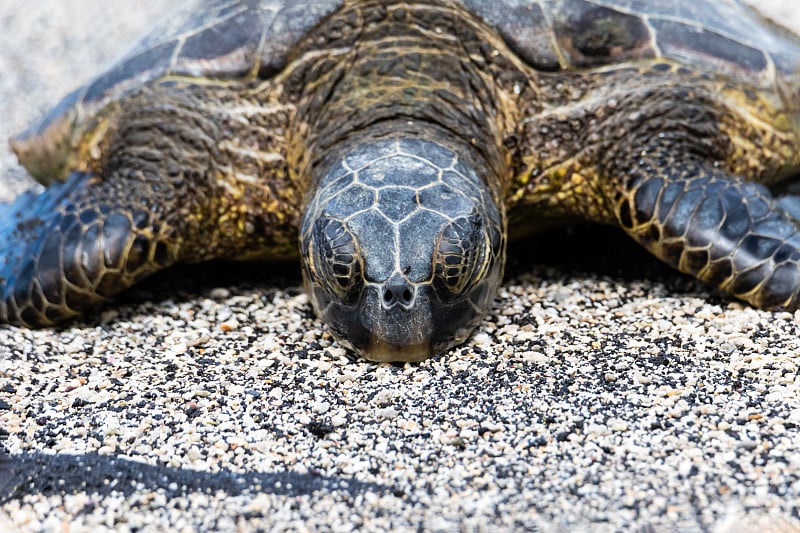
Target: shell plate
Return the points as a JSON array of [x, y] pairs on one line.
[[720, 34], [250, 39], [217, 39]]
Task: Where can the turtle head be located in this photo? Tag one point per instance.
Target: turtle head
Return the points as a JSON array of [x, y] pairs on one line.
[[403, 249]]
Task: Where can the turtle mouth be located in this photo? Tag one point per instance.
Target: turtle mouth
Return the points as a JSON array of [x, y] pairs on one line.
[[381, 351], [397, 333], [376, 347]]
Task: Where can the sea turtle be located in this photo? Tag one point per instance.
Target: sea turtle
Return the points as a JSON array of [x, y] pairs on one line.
[[398, 141]]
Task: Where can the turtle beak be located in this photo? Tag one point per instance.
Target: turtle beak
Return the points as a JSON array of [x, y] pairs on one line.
[[379, 328], [383, 328], [380, 351], [396, 318]]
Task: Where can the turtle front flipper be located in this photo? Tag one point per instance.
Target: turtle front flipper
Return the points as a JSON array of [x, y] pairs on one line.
[[725, 231], [79, 243], [184, 174]]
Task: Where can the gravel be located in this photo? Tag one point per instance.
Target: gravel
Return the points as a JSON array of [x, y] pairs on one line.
[[605, 392]]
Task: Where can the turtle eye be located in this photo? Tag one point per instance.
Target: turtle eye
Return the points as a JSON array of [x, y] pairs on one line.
[[335, 262], [458, 261]]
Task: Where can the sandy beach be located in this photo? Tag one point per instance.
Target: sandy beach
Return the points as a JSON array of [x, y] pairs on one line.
[[605, 392]]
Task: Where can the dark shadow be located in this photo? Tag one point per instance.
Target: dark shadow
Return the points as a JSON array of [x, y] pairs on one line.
[[48, 474], [575, 250], [597, 251], [187, 280], [187, 283]]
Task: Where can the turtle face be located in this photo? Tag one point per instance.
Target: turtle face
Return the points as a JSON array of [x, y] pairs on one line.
[[403, 250]]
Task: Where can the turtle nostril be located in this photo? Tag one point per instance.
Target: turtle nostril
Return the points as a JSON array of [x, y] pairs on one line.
[[407, 296], [398, 294]]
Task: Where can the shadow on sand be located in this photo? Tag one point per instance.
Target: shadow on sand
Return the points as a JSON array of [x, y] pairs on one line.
[[49, 474]]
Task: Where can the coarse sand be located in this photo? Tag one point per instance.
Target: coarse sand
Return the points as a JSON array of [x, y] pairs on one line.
[[604, 392]]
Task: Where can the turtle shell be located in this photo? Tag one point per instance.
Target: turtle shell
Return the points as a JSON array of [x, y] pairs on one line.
[[719, 35], [215, 39], [247, 39]]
